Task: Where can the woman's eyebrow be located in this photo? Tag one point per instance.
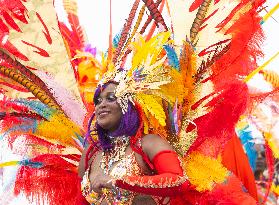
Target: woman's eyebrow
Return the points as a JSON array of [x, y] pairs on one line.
[[108, 93]]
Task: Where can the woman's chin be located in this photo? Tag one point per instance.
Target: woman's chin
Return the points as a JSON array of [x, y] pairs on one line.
[[104, 125]]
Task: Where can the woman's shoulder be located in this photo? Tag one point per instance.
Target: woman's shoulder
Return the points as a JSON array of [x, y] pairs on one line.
[[153, 144], [151, 136], [151, 140], [88, 156]]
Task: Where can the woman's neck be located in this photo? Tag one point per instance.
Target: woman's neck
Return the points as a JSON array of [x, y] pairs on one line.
[[119, 141]]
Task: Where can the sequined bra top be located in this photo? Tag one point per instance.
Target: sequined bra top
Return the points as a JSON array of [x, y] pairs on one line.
[[127, 166]]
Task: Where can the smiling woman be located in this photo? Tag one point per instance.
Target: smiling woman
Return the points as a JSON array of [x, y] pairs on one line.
[[127, 167], [117, 157], [108, 112], [170, 94], [154, 136]]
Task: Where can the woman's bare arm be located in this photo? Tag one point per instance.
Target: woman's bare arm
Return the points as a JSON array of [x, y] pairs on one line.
[[153, 144], [81, 165]]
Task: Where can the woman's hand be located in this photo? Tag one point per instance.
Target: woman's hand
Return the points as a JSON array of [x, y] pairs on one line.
[[100, 181]]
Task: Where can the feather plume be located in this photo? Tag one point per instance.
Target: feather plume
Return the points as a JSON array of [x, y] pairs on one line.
[[271, 76], [246, 138], [45, 184], [116, 39], [153, 106], [187, 62], [149, 19], [172, 57], [148, 51], [155, 13], [43, 167], [33, 88], [197, 165], [202, 11], [125, 31], [136, 26], [18, 67], [77, 31], [270, 167], [45, 39], [174, 90]]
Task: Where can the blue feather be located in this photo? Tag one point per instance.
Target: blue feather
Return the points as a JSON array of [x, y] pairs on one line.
[[247, 139], [172, 57], [171, 117], [37, 107], [138, 76], [30, 163], [116, 39], [26, 126]]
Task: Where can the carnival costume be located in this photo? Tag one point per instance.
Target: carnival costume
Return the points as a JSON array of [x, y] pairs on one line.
[[185, 79]]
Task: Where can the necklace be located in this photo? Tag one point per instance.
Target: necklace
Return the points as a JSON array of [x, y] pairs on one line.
[[109, 157]]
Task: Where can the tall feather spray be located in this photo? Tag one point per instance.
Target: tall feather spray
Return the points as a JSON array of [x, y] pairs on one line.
[[125, 31]]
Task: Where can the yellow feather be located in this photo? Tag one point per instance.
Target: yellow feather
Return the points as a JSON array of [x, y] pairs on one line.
[[188, 71], [203, 171], [275, 188], [176, 89], [11, 163], [152, 105], [273, 144], [70, 6], [271, 77], [59, 128], [150, 50]]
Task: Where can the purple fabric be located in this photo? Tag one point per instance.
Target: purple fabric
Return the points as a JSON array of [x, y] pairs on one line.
[[90, 49], [128, 126]]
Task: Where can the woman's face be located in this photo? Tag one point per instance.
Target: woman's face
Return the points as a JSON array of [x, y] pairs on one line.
[[108, 111]]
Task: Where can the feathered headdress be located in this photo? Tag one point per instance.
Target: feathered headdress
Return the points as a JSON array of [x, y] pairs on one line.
[[185, 73]]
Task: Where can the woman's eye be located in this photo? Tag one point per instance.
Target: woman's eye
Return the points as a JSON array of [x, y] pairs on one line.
[[111, 98], [98, 101]]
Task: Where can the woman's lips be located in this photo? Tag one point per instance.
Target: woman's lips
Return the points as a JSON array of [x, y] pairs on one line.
[[103, 113]]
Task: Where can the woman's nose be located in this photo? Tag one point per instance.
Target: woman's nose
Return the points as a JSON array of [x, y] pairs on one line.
[[103, 103], [261, 154]]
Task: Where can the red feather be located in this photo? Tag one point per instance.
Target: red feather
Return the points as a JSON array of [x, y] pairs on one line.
[[270, 167], [10, 21], [149, 19], [195, 5], [57, 181], [126, 30], [3, 27], [155, 13], [11, 48], [71, 43], [15, 8], [11, 63], [15, 87], [70, 38], [77, 31], [244, 49], [217, 126]]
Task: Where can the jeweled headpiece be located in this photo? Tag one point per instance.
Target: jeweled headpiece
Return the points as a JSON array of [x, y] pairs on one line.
[[146, 79]]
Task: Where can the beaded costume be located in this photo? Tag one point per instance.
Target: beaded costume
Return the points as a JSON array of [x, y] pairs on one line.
[[186, 78]]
